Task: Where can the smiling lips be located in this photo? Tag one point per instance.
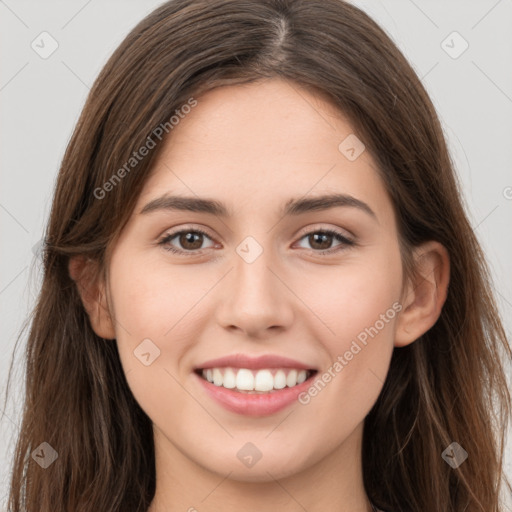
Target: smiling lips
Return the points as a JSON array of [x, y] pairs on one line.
[[254, 386]]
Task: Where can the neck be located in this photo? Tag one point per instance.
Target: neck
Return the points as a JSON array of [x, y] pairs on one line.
[[333, 484]]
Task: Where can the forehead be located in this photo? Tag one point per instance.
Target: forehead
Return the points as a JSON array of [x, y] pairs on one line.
[[266, 141]]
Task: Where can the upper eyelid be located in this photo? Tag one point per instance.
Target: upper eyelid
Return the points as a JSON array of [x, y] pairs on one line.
[[324, 227], [304, 231], [173, 232]]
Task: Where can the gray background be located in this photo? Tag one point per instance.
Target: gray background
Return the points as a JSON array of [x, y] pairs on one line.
[[42, 98]]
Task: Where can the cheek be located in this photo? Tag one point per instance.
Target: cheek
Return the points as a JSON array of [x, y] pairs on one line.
[[150, 299], [365, 305], [152, 303], [358, 311], [355, 297]]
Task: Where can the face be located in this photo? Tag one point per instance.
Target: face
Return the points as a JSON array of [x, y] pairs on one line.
[[272, 273]]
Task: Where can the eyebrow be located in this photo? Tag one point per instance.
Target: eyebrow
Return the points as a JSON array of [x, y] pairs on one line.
[[291, 207]]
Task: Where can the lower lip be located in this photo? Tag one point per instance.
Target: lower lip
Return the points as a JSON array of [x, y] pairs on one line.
[[254, 404]]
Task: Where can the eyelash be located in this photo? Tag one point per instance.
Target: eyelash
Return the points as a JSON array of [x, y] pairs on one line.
[[345, 242]]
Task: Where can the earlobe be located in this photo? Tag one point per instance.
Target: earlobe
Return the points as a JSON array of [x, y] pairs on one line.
[[91, 288], [425, 294]]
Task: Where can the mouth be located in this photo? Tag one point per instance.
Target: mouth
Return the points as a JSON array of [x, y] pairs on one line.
[[254, 386], [255, 381]]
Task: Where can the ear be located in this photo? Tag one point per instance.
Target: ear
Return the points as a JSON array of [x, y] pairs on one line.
[[92, 292], [424, 295]]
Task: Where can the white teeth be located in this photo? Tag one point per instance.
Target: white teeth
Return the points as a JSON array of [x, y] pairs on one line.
[[291, 379], [279, 380], [217, 377], [229, 379], [301, 377], [245, 380], [261, 381], [264, 381]]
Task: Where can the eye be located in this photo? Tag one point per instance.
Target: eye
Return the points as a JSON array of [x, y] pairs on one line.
[[190, 239], [321, 240]]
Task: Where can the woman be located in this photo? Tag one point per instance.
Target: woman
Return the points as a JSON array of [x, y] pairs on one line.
[[354, 373]]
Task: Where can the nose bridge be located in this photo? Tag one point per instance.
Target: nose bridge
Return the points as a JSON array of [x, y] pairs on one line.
[[252, 276], [256, 298]]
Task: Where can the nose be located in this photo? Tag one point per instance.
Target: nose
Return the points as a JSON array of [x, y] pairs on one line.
[[258, 298]]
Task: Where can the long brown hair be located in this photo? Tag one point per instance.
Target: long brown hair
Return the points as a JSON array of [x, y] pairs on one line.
[[449, 385]]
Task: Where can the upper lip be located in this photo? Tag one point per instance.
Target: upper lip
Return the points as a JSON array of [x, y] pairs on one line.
[[244, 361]]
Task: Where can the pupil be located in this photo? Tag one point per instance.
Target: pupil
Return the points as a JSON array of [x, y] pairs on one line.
[[188, 239], [326, 240]]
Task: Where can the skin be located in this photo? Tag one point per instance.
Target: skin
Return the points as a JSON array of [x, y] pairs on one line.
[[253, 147]]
